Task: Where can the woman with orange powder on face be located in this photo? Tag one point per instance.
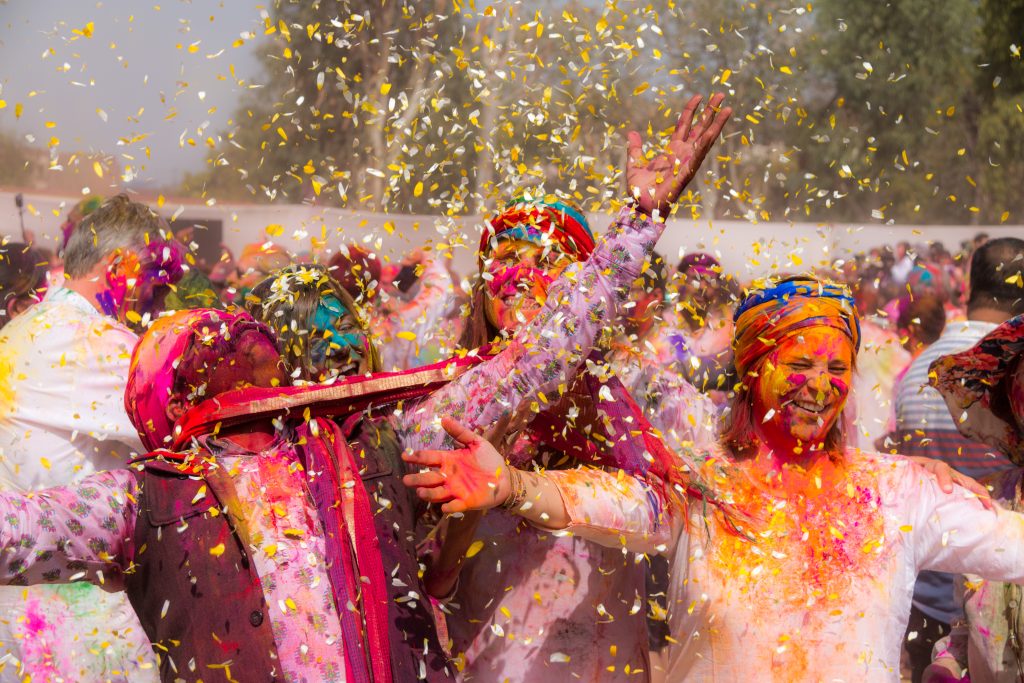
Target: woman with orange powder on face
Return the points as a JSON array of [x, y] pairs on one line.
[[818, 587]]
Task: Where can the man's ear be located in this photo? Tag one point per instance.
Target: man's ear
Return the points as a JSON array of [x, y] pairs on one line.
[[18, 305], [175, 408]]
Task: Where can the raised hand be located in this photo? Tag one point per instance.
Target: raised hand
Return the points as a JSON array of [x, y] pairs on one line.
[[474, 477], [656, 184]]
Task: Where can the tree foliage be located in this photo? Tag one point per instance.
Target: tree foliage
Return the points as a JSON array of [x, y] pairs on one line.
[[908, 111]]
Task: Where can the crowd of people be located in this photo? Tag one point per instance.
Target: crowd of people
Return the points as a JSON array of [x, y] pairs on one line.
[[590, 464]]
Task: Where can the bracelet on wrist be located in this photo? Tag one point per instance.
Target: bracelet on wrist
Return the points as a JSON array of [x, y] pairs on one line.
[[517, 495]]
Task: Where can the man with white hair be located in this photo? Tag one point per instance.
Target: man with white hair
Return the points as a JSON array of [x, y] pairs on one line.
[[63, 367]]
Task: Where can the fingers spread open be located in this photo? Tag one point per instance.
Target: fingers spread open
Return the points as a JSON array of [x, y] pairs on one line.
[[428, 479], [634, 148], [715, 129], [686, 119], [438, 494], [454, 507]]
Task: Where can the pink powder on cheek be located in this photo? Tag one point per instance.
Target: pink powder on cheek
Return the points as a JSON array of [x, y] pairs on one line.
[[797, 379], [839, 385]]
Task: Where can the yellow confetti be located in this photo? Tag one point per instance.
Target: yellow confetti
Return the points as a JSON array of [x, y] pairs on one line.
[[474, 548]]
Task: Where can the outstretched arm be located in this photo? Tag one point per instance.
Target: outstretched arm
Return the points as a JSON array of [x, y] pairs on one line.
[[588, 295], [610, 509], [72, 533]]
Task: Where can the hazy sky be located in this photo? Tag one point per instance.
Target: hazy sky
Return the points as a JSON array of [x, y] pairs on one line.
[[130, 63]]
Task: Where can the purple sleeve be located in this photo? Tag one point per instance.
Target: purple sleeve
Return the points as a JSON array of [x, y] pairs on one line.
[[546, 352], [81, 532]]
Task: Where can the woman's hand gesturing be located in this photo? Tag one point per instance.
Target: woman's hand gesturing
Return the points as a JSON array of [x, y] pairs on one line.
[[656, 184], [474, 477]]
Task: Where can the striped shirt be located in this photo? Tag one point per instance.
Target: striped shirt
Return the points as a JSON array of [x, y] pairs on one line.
[[925, 427], [923, 422]]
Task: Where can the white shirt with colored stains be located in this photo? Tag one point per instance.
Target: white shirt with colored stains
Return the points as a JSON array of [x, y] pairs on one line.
[[823, 590], [63, 369]]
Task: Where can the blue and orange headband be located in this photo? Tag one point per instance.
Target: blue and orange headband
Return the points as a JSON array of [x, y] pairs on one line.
[[776, 312]]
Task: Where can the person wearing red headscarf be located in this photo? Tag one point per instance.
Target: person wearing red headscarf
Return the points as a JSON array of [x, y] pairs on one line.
[[526, 604]]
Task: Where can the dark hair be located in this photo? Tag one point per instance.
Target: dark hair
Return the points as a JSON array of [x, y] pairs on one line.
[[119, 223], [925, 315], [291, 316], [478, 330], [992, 282], [22, 275]]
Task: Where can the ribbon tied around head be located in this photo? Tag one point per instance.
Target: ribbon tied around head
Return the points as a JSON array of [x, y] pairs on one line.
[[776, 312]]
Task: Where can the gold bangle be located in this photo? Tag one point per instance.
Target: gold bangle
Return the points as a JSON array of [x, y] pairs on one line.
[[518, 493]]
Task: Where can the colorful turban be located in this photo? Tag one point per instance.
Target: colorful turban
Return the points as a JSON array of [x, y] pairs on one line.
[[154, 370], [769, 315], [543, 221], [974, 386]]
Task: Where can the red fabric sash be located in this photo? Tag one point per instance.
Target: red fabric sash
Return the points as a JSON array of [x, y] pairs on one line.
[[347, 396], [354, 563]]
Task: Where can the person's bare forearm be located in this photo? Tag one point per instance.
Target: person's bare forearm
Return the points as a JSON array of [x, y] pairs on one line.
[[536, 499], [454, 539]]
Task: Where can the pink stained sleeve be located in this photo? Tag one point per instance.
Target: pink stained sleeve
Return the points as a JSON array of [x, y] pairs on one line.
[[64, 534], [547, 351], [617, 510]]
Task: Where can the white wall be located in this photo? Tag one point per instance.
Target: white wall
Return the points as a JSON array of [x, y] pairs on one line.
[[746, 250]]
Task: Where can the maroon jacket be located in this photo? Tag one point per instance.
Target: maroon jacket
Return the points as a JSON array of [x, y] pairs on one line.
[[202, 615]]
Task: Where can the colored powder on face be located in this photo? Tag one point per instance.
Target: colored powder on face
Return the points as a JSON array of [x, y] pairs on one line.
[[840, 386], [325, 334], [513, 280]]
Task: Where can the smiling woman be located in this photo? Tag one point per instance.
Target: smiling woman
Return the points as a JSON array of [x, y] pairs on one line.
[[795, 344], [819, 586]]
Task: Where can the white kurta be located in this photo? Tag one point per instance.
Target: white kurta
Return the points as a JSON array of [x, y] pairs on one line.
[[824, 591], [63, 369]]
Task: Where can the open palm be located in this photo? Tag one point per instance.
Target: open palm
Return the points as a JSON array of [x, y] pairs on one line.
[[474, 477], [656, 184]]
